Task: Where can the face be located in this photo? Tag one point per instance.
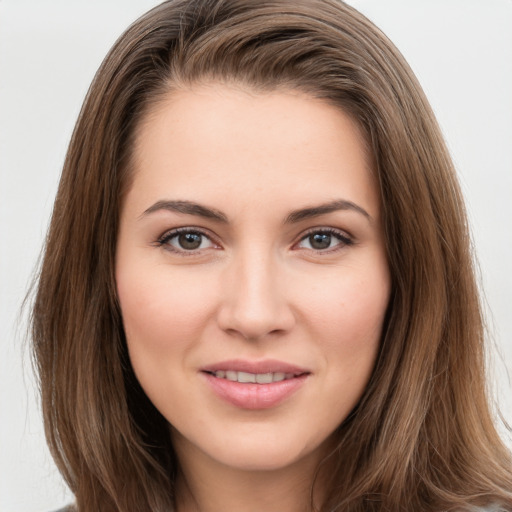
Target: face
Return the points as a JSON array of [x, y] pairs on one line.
[[251, 272]]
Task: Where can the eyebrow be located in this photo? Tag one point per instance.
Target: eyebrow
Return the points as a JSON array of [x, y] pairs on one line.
[[188, 208], [323, 209], [191, 208]]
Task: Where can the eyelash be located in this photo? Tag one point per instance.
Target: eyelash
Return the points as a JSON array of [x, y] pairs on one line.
[[169, 235], [344, 240]]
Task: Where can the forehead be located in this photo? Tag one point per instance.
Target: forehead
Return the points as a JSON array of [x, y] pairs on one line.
[[215, 142]]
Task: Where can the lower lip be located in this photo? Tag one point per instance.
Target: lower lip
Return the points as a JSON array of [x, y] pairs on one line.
[[254, 396]]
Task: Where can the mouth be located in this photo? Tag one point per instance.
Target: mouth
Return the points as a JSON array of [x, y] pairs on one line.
[[254, 378], [254, 385]]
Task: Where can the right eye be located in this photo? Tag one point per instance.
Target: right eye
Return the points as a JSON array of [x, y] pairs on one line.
[[186, 240]]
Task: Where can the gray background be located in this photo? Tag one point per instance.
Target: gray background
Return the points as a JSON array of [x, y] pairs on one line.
[[461, 51]]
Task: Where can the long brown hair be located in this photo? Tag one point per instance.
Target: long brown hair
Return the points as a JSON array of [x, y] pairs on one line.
[[422, 436]]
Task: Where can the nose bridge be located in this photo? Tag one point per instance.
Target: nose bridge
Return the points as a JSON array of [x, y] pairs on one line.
[[255, 302]]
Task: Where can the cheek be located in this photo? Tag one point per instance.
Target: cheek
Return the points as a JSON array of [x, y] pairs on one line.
[[346, 318], [163, 322], [350, 310], [161, 309]]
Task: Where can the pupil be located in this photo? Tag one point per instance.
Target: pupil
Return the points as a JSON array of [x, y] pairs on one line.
[[320, 240], [189, 240]]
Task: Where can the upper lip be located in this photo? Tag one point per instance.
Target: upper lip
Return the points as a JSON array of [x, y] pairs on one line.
[[264, 366]]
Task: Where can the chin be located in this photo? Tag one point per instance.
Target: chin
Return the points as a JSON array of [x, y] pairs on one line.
[[263, 451], [262, 458]]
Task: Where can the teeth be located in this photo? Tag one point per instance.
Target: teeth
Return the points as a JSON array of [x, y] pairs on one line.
[[264, 378], [231, 375], [259, 378], [246, 377]]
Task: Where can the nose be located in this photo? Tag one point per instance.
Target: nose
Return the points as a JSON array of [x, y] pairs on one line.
[[254, 301]]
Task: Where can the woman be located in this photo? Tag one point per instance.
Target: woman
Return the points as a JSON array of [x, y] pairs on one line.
[[257, 292]]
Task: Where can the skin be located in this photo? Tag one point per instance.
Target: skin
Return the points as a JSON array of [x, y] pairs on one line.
[[258, 287]]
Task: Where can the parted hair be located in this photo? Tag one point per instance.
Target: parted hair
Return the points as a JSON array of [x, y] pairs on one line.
[[422, 437]]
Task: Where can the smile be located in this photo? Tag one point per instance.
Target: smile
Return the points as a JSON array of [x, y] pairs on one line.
[[253, 378], [254, 385]]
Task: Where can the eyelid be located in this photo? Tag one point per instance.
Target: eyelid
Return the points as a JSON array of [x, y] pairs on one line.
[[162, 240], [344, 238]]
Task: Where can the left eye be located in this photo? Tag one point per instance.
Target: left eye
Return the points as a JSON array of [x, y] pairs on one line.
[[187, 241], [323, 240]]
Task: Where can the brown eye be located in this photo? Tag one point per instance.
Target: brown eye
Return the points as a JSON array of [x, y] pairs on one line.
[[189, 241], [186, 240], [324, 240], [320, 241]]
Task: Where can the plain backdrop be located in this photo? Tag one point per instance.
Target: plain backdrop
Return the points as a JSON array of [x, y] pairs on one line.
[[461, 51]]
